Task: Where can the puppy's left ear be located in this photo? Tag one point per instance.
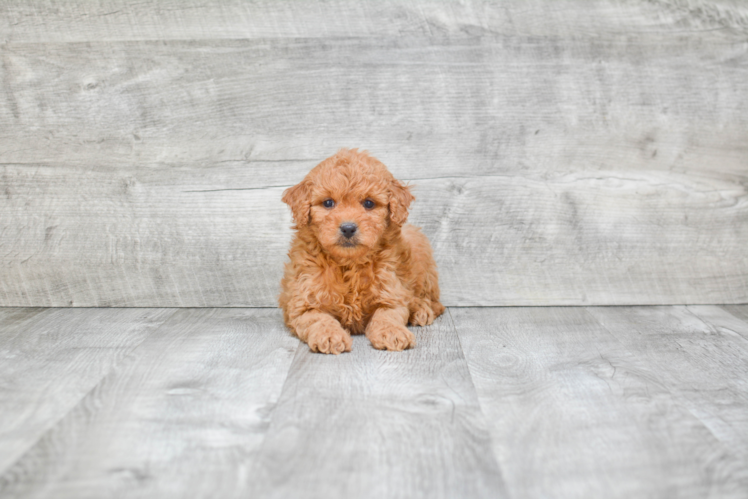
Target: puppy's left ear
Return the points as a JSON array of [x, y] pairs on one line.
[[400, 200], [299, 198]]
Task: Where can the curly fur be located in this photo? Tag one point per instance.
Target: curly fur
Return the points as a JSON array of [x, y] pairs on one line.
[[374, 283]]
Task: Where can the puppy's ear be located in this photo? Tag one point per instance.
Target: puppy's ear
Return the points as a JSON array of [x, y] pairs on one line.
[[400, 199], [299, 198]]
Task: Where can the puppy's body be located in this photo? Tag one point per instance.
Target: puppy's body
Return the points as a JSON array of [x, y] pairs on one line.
[[355, 266]]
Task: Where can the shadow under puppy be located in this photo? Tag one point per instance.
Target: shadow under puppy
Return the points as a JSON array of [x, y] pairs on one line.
[[355, 266]]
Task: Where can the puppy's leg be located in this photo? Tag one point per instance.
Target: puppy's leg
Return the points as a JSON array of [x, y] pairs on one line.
[[425, 306], [322, 332], [386, 329]]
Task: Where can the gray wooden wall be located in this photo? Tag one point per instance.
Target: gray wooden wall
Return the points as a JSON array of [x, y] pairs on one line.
[[563, 151]]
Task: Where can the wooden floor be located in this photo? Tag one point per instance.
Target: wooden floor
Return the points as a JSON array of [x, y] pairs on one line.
[[493, 402]]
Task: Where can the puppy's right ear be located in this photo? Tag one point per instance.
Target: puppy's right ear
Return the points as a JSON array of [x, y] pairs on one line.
[[299, 198]]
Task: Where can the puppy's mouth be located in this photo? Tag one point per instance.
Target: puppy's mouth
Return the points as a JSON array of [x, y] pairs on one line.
[[346, 243]]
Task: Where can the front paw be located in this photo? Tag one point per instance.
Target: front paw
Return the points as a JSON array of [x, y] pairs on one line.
[[390, 337], [328, 339], [422, 316]]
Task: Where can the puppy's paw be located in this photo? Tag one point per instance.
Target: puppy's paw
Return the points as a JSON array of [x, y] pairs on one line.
[[422, 316], [437, 307], [329, 339], [391, 337]]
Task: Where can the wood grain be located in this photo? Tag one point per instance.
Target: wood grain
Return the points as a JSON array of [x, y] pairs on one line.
[[522, 402], [10, 317], [610, 402], [426, 105], [138, 239], [739, 311], [380, 424], [52, 358], [182, 417], [565, 153], [129, 20], [586, 238], [730, 320], [701, 354]]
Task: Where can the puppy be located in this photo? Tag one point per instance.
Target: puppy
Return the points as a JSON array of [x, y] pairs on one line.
[[355, 266]]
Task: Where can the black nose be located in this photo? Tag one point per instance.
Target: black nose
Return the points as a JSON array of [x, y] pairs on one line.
[[348, 229]]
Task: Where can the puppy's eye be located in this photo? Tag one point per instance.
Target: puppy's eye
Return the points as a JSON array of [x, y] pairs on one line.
[[328, 203], [368, 204]]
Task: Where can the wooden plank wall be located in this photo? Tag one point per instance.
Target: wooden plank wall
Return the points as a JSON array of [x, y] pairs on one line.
[[563, 152]]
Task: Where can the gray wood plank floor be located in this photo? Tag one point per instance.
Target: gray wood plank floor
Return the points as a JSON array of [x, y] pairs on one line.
[[492, 402]]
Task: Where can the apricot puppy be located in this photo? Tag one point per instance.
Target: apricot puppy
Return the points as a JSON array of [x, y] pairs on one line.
[[355, 266]]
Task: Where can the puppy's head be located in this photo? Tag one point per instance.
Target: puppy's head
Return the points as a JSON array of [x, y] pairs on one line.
[[348, 202]]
